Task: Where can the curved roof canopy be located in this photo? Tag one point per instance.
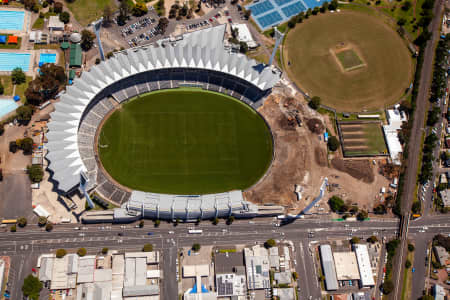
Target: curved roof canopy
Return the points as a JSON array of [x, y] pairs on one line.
[[201, 50]]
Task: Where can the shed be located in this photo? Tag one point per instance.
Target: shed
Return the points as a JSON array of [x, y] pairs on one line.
[[2, 39], [75, 55]]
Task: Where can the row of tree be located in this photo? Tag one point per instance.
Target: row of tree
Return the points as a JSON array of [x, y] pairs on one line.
[[305, 15], [338, 205]]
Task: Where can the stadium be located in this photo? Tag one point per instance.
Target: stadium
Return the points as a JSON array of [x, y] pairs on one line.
[[81, 157]]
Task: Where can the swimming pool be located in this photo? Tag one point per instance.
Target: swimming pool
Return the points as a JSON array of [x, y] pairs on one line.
[[11, 19], [47, 58], [11, 60], [7, 106]]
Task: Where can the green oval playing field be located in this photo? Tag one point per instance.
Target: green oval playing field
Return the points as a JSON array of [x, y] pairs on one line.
[[352, 60], [185, 141]]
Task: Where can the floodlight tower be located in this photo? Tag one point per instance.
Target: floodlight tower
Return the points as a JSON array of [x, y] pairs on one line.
[[278, 38], [97, 25]]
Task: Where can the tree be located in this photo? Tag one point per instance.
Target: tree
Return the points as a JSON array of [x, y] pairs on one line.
[[30, 4], [2, 89], [107, 15], [426, 297], [336, 203], [49, 227], [380, 209], [355, 240], [372, 239], [387, 287], [87, 39], [24, 113], [12, 147], [42, 221], [147, 248], [196, 247], [141, 224], [270, 243], [315, 11], [25, 144], [139, 9], [177, 221], [333, 5], [294, 275], [408, 264], [362, 215], [125, 8], [401, 22], [292, 22], [31, 287], [406, 5], [215, 221], [13, 228], [57, 7], [230, 220], [333, 143], [18, 76], [81, 252], [416, 207], [105, 250], [162, 24], [157, 222], [243, 47], [22, 221], [411, 247], [60, 253], [314, 103], [46, 85], [64, 17], [36, 173]]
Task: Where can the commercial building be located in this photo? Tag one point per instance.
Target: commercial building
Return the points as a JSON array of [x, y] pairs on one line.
[[346, 266], [326, 256], [244, 35], [439, 292], [441, 255], [230, 274], [364, 266], [257, 267], [54, 24], [445, 196], [284, 293], [129, 276]]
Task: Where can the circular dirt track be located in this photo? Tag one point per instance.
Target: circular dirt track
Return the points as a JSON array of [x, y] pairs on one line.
[[185, 141], [352, 60]]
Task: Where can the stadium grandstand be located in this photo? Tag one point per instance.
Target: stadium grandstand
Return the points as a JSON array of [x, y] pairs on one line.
[[199, 59]]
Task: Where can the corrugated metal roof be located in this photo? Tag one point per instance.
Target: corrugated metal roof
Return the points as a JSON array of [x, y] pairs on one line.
[[326, 255]]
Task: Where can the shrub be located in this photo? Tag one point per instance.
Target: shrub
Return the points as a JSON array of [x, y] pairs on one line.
[[60, 253]]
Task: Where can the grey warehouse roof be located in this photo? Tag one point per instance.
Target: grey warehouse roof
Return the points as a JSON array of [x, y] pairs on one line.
[[201, 50]]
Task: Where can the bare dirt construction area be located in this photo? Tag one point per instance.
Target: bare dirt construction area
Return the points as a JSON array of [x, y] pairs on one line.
[[301, 159]]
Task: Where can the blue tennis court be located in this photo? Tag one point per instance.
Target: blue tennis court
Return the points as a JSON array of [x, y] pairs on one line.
[[269, 13], [269, 19], [47, 58], [293, 9], [11, 60], [261, 7], [11, 19]]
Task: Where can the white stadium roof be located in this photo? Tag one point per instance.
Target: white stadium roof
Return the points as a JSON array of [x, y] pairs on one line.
[[202, 50]]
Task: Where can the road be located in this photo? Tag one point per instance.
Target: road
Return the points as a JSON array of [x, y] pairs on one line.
[[26, 244], [414, 145]]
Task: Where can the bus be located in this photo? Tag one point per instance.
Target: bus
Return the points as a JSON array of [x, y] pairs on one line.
[[195, 231], [9, 221]]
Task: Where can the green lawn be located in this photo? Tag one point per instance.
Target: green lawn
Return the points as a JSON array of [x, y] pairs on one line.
[[388, 65], [7, 85], [10, 46], [20, 89], [39, 23], [367, 136], [86, 11], [349, 59], [187, 141]]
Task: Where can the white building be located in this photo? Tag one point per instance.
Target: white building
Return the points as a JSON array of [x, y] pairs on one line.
[[54, 24], [257, 266], [395, 119], [244, 35], [364, 266], [346, 266], [439, 292]]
